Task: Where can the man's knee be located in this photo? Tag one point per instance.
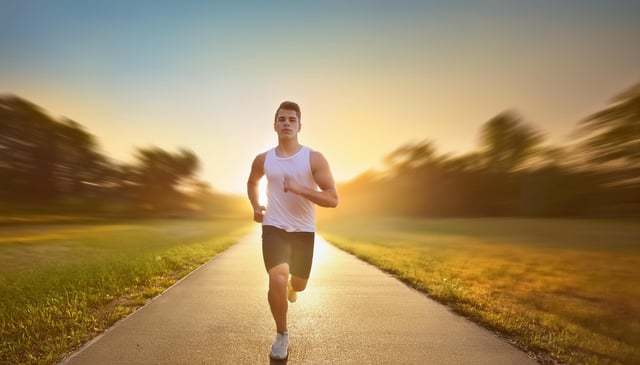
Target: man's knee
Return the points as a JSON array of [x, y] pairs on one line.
[[278, 277]]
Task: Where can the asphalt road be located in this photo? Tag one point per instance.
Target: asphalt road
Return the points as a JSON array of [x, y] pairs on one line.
[[351, 313]]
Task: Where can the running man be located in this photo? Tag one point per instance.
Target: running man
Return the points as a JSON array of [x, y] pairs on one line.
[[298, 178]]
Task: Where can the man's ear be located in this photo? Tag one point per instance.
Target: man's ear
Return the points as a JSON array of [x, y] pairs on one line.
[[299, 127]]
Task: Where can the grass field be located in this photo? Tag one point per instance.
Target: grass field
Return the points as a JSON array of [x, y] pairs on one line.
[[565, 290], [62, 284]]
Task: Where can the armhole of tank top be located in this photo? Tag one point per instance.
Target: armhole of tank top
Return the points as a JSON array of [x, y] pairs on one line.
[[264, 163], [310, 151]]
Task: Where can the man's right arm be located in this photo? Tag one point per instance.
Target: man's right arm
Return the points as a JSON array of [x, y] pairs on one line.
[[253, 183]]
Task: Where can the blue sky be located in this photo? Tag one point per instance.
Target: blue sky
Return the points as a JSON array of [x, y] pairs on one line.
[[369, 75]]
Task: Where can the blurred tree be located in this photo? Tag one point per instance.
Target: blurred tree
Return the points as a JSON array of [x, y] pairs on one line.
[[27, 142], [467, 162], [159, 173], [611, 148], [508, 142], [613, 134], [410, 155], [80, 168], [43, 159], [46, 162]]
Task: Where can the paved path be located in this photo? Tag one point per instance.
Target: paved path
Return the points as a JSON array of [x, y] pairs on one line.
[[351, 313]]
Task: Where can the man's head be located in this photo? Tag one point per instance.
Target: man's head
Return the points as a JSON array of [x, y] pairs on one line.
[[287, 120], [288, 105]]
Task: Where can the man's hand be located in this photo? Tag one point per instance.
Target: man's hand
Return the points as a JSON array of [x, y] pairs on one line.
[[291, 185], [258, 214]]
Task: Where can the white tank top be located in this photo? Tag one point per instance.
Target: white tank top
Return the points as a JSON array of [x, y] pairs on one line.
[[287, 210]]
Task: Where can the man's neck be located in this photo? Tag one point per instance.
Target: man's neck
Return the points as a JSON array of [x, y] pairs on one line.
[[288, 147]]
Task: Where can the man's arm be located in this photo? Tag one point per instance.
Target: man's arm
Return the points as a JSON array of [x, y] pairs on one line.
[[327, 196], [253, 183]]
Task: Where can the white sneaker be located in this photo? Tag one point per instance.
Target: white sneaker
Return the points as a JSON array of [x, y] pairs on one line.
[[292, 295], [280, 347]]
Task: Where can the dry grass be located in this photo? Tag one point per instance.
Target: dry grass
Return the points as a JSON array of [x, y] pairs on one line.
[[563, 289]]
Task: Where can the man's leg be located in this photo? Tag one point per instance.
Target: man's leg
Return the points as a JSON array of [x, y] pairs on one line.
[[278, 277], [299, 284], [301, 261], [296, 284]]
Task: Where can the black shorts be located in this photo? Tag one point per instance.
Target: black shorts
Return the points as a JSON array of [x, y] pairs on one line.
[[293, 248]]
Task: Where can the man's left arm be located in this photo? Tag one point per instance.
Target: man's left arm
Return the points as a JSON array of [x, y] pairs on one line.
[[327, 196]]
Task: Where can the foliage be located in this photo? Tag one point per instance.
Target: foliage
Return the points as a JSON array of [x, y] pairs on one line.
[[508, 142], [613, 134], [56, 164], [41, 157], [512, 173]]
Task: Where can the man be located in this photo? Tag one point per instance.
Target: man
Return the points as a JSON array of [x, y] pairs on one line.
[[298, 178]]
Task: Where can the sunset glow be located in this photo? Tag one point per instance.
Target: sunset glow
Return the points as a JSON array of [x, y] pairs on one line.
[[262, 190], [369, 76]]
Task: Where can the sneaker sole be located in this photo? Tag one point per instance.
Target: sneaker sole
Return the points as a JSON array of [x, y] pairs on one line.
[[279, 358]]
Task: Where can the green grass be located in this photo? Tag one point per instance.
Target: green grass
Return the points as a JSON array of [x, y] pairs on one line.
[[60, 285], [565, 290]]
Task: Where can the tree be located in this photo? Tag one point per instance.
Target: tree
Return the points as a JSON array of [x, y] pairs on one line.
[[410, 156], [27, 142], [611, 147], [57, 164], [79, 164], [613, 134], [43, 158], [508, 142], [159, 174]]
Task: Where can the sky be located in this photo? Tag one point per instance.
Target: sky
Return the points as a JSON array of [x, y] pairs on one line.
[[369, 76]]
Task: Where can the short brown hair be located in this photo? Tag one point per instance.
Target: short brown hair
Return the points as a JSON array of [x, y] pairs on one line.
[[288, 105]]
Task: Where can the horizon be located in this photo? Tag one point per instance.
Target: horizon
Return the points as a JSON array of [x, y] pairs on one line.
[[369, 77]]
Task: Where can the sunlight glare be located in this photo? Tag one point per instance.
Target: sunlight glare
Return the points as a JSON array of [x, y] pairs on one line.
[[262, 191], [319, 250]]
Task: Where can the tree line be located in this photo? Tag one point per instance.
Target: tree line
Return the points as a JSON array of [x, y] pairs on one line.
[[513, 172], [51, 165]]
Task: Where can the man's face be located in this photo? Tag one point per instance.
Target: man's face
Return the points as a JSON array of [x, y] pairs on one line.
[[287, 124]]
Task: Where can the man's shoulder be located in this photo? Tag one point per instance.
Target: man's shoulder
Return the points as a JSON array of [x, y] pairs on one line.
[[263, 155], [316, 157], [260, 158], [310, 149]]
